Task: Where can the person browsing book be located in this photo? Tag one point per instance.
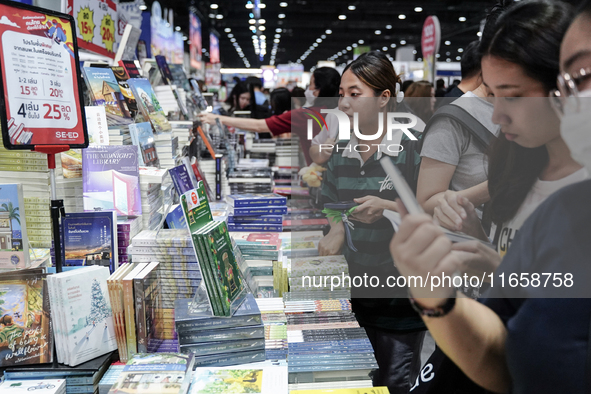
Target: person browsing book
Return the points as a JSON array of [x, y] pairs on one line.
[[324, 83]]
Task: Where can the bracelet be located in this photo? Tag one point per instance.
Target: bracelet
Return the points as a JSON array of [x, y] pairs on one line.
[[438, 311]]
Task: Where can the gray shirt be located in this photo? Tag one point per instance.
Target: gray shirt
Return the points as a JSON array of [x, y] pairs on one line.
[[449, 142]]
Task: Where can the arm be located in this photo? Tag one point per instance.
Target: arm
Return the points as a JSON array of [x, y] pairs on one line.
[[434, 179], [333, 242], [256, 125], [320, 153]]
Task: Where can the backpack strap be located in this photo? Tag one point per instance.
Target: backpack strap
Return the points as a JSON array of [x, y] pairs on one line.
[[451, 111]]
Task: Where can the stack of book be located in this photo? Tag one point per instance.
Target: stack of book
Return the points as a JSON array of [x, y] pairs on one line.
[[274, 320], [283, 178], [287, 152], [152, 196], [110, 377], [49, 386], [119, 135], [324, 339], [164, 373], [300, 243], [82, 379], [70, 190], [183, 130], [221, 341], [310, 273], [263, 149], [167, 147], [256, 212], [250, 180], [259, 253], [214, 172], [86, 330], [127, 228]]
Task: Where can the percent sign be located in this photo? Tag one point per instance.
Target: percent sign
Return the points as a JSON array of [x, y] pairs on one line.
[[56, 92], [66, 111]]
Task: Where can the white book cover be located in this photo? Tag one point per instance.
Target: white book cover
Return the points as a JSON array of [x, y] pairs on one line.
[[96, 121], [46, 386], [89, 326]]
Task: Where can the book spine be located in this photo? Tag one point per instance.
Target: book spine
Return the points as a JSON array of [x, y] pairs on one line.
[[208, 324], [140, 315], [259, 211], [255, 227], [129, 318], [217, 282], [218, 178], [273, 219], [271, 201]]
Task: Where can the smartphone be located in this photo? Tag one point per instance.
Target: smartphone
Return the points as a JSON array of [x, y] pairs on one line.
[[341, 205]]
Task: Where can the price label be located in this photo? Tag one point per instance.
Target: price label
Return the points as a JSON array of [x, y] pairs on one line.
[[108, 32], [40, 81], [86, 24], [97, 25]]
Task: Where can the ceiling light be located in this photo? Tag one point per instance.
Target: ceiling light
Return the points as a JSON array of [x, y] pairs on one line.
[[252, 21], [283, 4], [315, 44], [276, 40], [143, 7], [438, 56], [277, 35], [214, 6], [262, 21], [388, 27], [253, 29], [227, 30], [414, 52], [448, 43], [447, 53], [361, 41], [211, 16], [281, 16], [185, 38], [178, 28], [230, 35], [328, 31], [351, 8], [319, 40], [232, 40], [277, 30], [392, 45], [255, 37], [418, 9], [262, 28], [355, 45], [219, 16], [479, 34], [349, 48], [458, 58], [323, 36], [261, 5], [448, 60], [462, 19], [460, 50], [378, 32], [249, 6], [340, 53], [384, 49], [251, 15], [342, 17], [401, 16]]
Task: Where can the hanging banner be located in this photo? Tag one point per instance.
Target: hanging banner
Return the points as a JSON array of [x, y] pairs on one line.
[[96, 21], [430, 41], [40, 72], [214, 48], [195, 40]]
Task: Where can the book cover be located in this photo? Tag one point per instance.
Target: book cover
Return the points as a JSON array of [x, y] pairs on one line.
[[148, 104], [240, 379], [72, 162], [256, 200], [130, 68], [14, 244], [26, 335], [142, 136], [105, 92], [257, 211], [96, 121], [181, 179], [122, 77], [129, 309], [47, 386], [111, 179], [176, 218]]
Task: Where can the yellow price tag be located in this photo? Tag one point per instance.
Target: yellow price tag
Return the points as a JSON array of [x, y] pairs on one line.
[[86, 24], [108, 32]]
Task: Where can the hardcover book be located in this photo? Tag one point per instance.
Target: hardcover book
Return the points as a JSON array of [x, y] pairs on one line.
[[105, 92], [111, 179], [14, 244], [142, 136], [148, 104], [89, 238]]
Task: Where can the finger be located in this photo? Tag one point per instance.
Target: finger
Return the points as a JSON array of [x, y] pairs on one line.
[[467, 246], [361, 200], [467, 204], [448, 211], [432, 255], [455, 205], [420, 241], [409, 225], [444, 220], [401, 208]]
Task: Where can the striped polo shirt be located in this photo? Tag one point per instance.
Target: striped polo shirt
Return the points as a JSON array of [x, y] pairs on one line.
[[348, 177]]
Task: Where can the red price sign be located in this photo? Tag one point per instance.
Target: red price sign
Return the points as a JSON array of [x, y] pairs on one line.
[[431, 37]]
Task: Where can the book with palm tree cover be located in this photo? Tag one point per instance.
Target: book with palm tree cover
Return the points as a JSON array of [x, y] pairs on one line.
[[14, 245]]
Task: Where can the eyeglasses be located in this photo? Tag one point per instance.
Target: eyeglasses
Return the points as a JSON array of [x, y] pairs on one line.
[[568, 89]]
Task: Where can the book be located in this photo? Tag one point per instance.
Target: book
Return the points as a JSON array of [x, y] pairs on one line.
[[105, 91], [89, 238], [14, 244], [129, 309], [181, 179], [115, 285], [142, 136], [147, 302], [49, 386], [111, 179], [226, 359], [227, 334], [130, 68], [240, 379], [258, 211], [128, 44], [255, 227], [87, 329], [122, 77], [264, 219], [256, 200], [96, 121], [148, 104], [161, 373], [210, 348], [176, 218]]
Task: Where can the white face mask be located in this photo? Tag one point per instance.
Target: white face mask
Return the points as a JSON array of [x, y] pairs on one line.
[[309, 97], [575, 128]]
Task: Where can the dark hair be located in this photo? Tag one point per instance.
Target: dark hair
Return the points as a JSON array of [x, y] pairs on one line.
[[254, 82], [471, 60], [584, 9], [280, 101], [327, 80], [232, 99], [376, 71], [406, 84], [440, 83], [528, 34], [298, 92], [420, 107], [298, 97]]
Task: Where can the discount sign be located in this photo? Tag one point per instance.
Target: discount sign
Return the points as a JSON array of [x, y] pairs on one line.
[[97, 25], [40, 74], [430, 41]]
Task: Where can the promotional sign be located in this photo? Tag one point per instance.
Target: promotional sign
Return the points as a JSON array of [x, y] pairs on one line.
[[213, 77], [163, 39], [195, 40], [214, 48], [430, 41], [97, 23], [40, 72]]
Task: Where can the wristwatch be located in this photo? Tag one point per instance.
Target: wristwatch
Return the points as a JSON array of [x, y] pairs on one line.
[[438, 311]]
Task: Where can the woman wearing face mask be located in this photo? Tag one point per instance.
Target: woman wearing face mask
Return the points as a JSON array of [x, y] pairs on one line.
[[516, 340], [324, 84], [369, 91], [530, 160]]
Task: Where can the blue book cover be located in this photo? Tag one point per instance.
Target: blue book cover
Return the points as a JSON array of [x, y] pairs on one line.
[[256, 200], [148, 103], [181, 179], [176, 218], [90, 238], [257, 211], [14, 246], [142, 136], [111, 179], [106, 92], [269, 219], [255, 227]]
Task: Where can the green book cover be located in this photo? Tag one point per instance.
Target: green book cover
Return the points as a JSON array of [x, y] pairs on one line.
[[211, 266], [207, 275]]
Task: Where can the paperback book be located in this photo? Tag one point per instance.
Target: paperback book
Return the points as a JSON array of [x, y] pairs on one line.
[[148, 104], [14, 244], [256, 200], [111, 179], [142, 136], [105, 92]]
